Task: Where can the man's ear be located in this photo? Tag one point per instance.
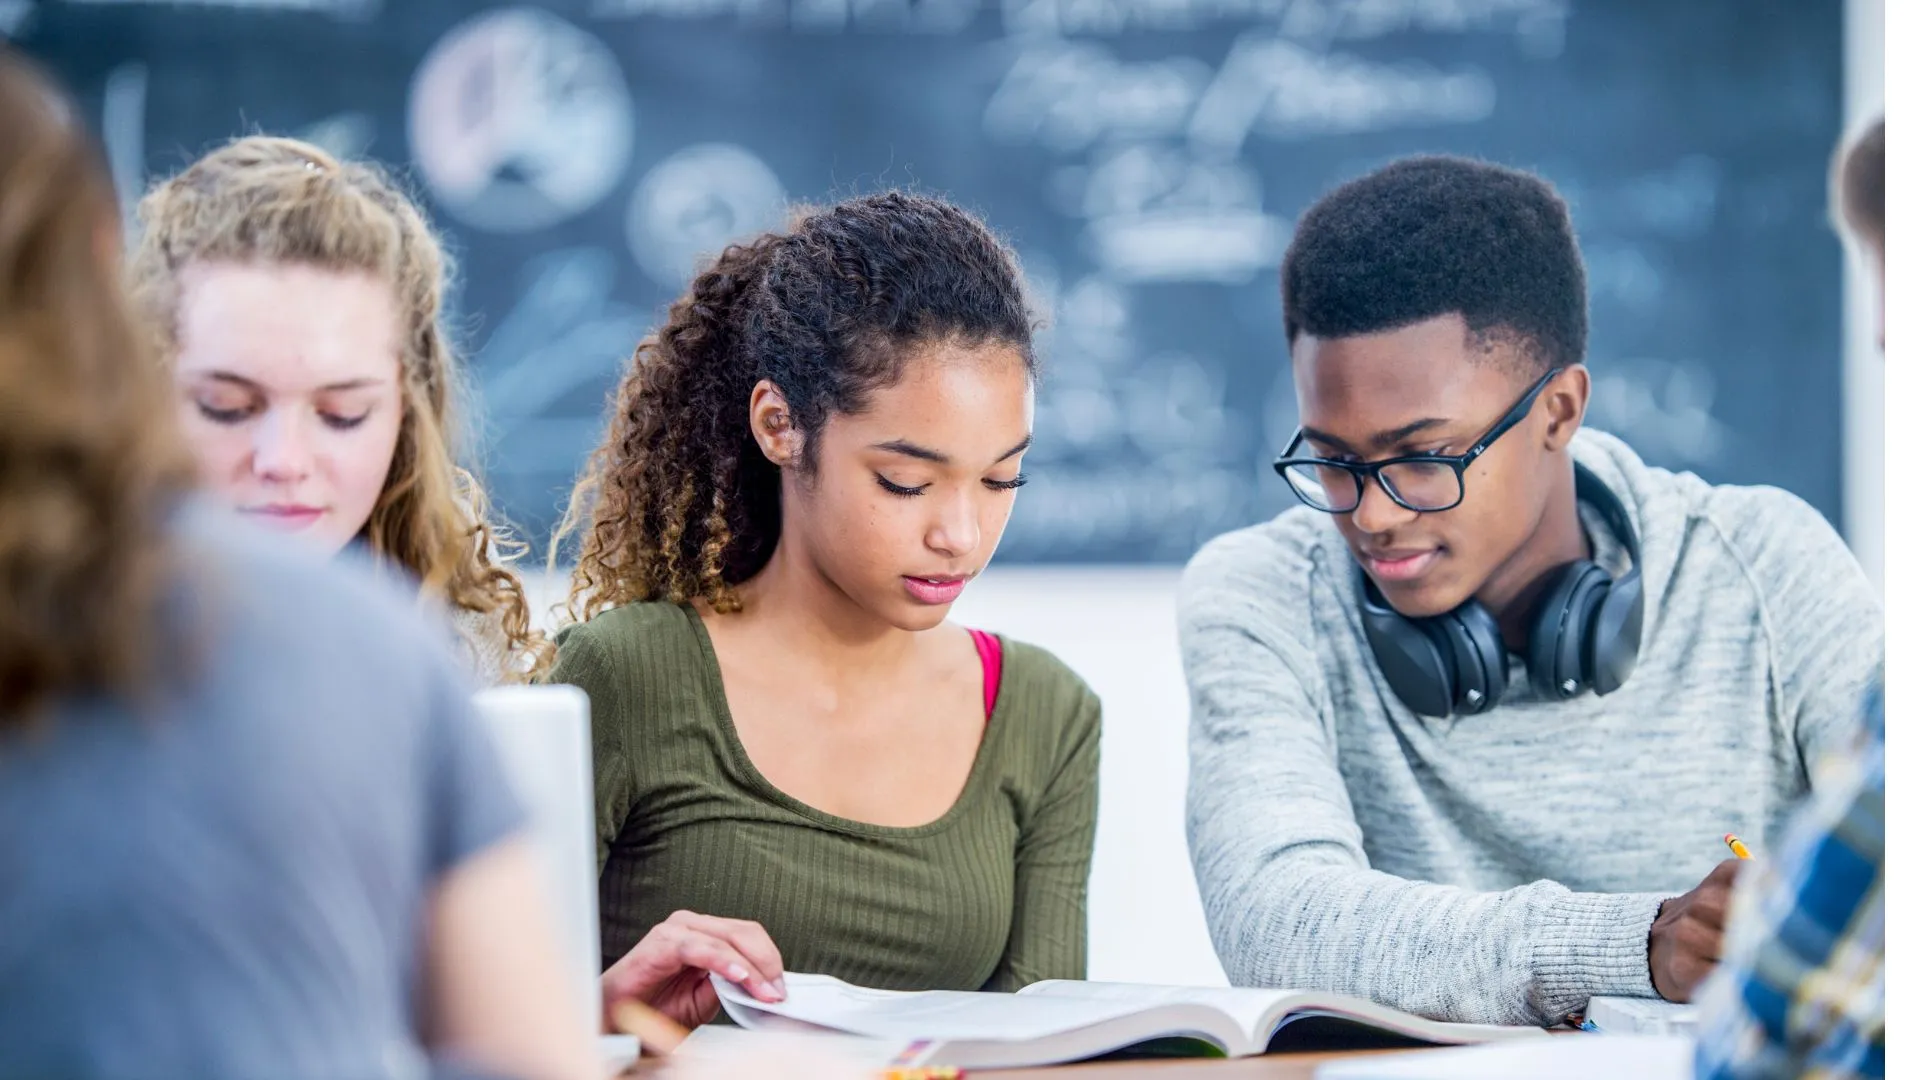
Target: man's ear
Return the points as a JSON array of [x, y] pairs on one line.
[[1564, 402], [772, 424]]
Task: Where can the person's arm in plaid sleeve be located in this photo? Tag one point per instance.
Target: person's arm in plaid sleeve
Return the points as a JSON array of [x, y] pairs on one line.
[[1802, 986]]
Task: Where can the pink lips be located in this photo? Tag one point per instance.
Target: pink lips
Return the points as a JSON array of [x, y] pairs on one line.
[[288, 517], [1399, 567], [935, 591]]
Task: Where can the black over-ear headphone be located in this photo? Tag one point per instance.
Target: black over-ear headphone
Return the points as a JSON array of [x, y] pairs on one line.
[[1585, 632]]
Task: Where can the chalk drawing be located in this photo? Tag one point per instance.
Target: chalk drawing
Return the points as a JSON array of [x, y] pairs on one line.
[[519, 120], [565, 332], [697, 201]]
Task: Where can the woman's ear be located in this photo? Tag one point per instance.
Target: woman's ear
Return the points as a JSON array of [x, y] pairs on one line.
[[773, 426], [1565, 403]]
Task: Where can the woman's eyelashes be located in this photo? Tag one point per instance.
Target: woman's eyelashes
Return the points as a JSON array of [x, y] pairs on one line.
[[223, 415], [899, 489], [908, 492], [339, 422], [238, 414]]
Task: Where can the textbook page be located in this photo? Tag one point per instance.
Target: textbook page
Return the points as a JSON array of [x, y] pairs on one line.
[[950, 1015], [1258, 1013], [1253, 1010]]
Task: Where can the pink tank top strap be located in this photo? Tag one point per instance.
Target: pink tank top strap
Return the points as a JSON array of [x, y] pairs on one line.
[[988, 646]]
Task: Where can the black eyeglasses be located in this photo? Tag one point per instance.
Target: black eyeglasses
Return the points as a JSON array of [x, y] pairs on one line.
[[1425, 483]]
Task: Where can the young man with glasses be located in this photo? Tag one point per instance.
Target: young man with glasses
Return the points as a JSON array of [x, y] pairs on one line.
[[1468, 726]]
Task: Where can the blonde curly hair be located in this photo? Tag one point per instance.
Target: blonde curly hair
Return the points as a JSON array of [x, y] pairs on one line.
[[279, 201]]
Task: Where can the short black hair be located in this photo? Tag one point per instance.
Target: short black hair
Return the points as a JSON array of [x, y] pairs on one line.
[[1432, 235]]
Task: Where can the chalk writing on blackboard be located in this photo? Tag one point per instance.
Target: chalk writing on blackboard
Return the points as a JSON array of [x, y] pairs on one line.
[[1280, 89], [344, 9], [1540, 25], [1148, 158], [809, 16]]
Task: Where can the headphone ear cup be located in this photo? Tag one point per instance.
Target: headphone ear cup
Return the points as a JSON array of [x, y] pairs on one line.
[[1614, 641], [1612, 646], [1560, 643], [1479, 656], [1412, 656]]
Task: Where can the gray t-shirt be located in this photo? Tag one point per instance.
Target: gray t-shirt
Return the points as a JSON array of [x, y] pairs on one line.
[[230, 882], [1507, 866]]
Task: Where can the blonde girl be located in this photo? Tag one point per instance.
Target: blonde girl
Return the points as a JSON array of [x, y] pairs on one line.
[[300, 300]]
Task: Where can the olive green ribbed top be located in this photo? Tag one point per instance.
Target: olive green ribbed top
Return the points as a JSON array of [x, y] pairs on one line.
[[992, 895]]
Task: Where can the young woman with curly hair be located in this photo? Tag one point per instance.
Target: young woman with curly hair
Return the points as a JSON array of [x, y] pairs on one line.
[[300, 300], [805, 466]]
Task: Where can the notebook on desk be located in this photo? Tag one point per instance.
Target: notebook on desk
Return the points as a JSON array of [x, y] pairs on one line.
[[1050, 1023]]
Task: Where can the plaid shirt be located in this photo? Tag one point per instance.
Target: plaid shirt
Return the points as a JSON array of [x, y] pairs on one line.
[[1802, 988]]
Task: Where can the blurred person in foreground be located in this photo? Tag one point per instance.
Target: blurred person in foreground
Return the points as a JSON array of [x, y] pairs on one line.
[[248, 824], [1802, 987], [300, 300]]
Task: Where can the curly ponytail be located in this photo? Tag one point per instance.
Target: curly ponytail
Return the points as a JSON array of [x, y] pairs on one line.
[[678, 503]]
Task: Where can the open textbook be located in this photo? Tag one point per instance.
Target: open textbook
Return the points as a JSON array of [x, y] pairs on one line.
[[1057, 1021]]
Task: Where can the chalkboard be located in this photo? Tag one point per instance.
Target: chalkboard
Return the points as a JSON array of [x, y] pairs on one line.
[[1146, 157]]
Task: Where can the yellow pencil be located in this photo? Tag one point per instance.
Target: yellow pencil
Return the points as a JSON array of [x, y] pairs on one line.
[[655, 1031], [1739, 849]]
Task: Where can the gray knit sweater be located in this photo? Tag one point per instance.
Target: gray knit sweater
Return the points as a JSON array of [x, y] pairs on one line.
[[1505, 867]]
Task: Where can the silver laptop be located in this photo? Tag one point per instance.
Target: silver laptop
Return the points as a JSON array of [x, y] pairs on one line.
[[545, 745]]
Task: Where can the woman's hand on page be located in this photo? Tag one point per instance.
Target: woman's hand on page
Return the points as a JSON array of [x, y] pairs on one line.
[[1684, 945], [668, 969]]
